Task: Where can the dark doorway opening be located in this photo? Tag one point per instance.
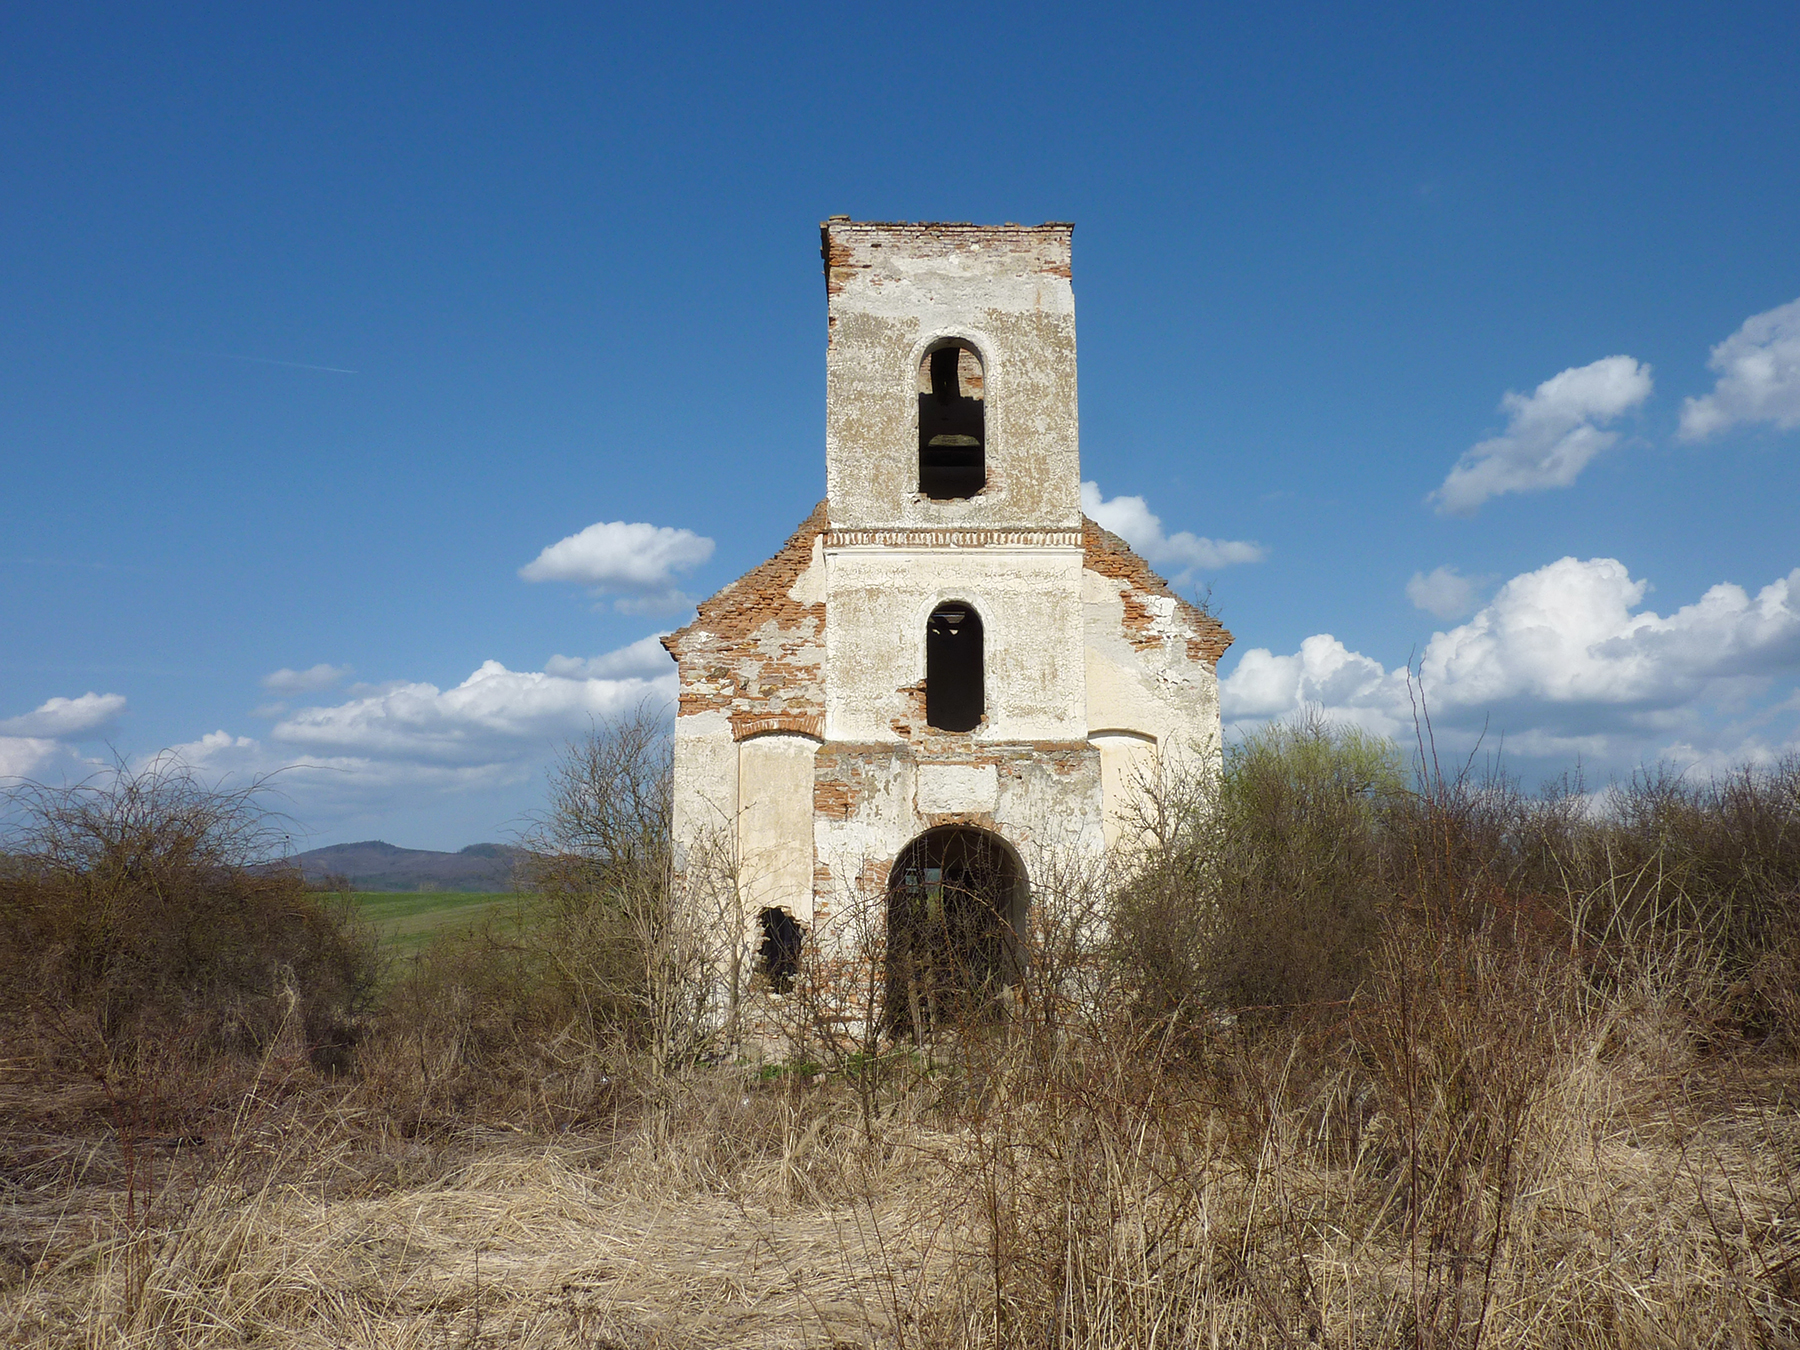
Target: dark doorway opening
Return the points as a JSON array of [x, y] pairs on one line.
[[778, 958], [955, 691], [952, 425], [956, 901]]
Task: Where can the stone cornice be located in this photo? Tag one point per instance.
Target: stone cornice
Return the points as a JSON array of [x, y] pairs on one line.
[[965, 538]]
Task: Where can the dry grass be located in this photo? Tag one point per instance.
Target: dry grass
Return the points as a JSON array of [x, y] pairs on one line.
[[1534, 1085], [1083, 1194]]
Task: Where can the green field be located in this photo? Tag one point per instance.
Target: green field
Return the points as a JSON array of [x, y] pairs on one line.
[[407, 920]]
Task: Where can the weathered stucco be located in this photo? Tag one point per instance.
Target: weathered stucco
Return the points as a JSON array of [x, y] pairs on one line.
[[892, 291], [802, 751]]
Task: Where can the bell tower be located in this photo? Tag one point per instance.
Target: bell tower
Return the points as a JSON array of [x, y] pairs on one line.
[[950, 377], [952, 468]]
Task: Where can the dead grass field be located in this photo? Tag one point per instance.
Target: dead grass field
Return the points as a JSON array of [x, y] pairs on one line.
[[1339, 1062], [1656, 1205]]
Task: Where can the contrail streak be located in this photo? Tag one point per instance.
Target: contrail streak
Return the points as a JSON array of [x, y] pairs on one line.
[[265, 361], [297, 365]]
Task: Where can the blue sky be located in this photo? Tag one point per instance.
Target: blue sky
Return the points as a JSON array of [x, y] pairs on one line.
[[322, 323]]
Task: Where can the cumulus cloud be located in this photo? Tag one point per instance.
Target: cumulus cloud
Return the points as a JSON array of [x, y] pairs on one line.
[[313, 678], [32, 743], [634, 561], [1759, 377], [27, 756], [65, 717], [1444, 592], [407, 744], [1551, 434], [495, 714], [645, 659], [330, 784], [1561, 661], [1182, 553]]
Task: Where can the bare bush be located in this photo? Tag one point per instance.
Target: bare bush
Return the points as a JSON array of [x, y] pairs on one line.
[[613, 971], [139, 921]]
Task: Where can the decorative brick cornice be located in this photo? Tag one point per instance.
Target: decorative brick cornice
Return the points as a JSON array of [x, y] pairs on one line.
[[971, 538], [746, 725]]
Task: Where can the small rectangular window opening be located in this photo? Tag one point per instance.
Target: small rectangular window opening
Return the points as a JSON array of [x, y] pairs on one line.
[[778, 958]]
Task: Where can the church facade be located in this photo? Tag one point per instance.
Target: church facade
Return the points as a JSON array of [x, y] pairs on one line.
[[948, 679]]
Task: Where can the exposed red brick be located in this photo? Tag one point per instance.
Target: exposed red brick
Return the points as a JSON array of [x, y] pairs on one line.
[[1206, 639], [753, 650], [746, 725]]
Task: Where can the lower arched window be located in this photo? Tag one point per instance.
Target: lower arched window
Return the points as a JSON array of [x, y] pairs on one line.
[[955, 697]]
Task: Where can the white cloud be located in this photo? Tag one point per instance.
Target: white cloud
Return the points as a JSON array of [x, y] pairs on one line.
[[645, 658], [1759, 377], [493, 715], [1551, 434], [27, 756], [1181, 553], [635, 561], [64, 717], [405, 746], [1561, 661], [1324, 674], [1444, 592], [31, 743], [329, 784], [321, 676]]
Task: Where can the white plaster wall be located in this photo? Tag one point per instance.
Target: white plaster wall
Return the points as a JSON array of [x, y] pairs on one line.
[[1127, 763], [958, 789], [704, 809], [1029, 600], [893, 290], [1160, 692], [775, 824], [1149, 710]]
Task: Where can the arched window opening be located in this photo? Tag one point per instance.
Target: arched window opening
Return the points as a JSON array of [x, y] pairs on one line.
[[955, 696], [952, 424], [778, 958], [956, 903]]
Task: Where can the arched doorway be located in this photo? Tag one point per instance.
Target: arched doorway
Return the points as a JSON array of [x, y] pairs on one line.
[[956, 906]]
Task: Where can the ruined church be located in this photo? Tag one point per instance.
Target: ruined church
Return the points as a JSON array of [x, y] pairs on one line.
[[948, 678]]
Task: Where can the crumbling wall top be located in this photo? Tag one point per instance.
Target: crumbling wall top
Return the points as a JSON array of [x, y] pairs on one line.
[[1202, 636], [756, 649], [874, 250]]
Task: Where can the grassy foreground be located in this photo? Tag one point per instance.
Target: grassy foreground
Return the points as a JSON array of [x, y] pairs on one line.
[[407, 920], [1246, 1204]]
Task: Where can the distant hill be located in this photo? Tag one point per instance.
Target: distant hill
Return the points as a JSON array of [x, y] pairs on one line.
[[375, 865]]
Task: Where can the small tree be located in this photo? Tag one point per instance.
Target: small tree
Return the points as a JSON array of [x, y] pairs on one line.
[[1263, 884], [637, 948]]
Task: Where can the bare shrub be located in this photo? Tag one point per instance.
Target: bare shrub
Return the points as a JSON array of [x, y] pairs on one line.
[[611, 976], [639, 951], [138, 923]]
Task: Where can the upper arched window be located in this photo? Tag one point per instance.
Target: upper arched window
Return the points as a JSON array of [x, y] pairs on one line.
[[952, 423], [955, 696]]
